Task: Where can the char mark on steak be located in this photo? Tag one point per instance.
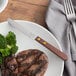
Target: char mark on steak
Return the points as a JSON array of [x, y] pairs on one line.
[[34, 63], [10, 66]]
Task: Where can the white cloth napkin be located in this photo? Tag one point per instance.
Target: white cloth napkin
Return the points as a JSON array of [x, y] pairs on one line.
[[63, 31]]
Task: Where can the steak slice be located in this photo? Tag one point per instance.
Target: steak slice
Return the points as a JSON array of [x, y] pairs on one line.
[[10, 66], [32, 62], [4, 71]]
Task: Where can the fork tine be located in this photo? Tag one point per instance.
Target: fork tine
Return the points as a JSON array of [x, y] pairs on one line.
[[68, 6], [65, 7], [72, 8]]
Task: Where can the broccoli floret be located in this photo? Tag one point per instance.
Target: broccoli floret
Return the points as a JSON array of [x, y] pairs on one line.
[[7, 45], [14, 49], [3, 42], [11, 41], [11, 38], [1, 59], [5, 52]]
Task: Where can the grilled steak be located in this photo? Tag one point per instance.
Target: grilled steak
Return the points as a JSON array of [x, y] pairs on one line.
[[10, 66], [32, 62], [4, 71]]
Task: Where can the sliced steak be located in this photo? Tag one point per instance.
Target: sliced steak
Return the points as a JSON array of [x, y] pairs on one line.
[[32, 62], [4, 71], [10, 66]]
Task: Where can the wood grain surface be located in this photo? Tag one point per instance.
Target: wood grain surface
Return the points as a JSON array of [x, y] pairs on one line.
[[31, 10]]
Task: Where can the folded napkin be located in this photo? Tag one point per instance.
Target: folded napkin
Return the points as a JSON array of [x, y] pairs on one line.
[[63, 31]]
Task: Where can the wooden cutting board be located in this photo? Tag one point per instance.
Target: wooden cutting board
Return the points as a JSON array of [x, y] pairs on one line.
[[31, 10]]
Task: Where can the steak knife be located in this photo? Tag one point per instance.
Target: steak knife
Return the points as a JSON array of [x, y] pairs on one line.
[[40, 40]]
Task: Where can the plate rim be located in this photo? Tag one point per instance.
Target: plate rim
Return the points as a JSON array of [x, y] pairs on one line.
[[3, 6]]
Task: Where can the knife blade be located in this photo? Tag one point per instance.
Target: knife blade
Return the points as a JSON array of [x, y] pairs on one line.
[[38, 39]]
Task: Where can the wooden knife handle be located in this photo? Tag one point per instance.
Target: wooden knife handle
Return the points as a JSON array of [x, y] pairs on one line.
[[52, 48]]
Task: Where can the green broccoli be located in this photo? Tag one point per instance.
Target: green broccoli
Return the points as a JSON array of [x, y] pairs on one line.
[[11, 38], [14, 49], [11, 41], [3, 42], [7, 45], [1, 59]]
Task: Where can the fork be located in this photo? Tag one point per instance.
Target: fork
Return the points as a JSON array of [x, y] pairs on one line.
[[70, 13]]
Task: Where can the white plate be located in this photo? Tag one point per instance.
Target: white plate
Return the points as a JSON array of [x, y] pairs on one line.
[[55, 67], [3, 4]]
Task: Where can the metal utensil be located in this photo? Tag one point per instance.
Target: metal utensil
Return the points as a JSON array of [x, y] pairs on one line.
[[70, 13], [38, 39]]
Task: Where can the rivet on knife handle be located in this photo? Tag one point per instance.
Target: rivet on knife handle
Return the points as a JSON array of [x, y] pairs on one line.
[[52, 48]]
